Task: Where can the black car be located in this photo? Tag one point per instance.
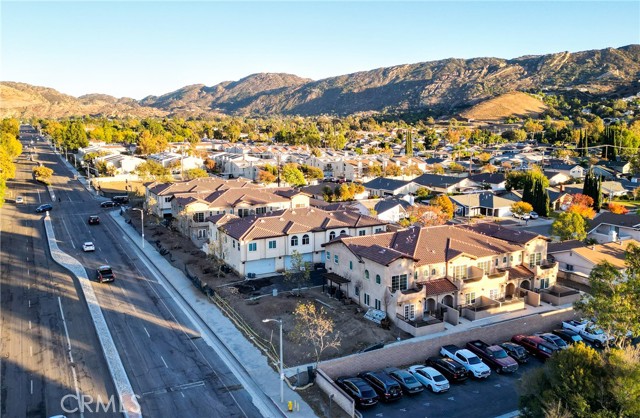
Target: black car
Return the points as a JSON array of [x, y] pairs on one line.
[[451, 369], [570, 337], [108, 204], [106, 274], [44, 208], [359, 390], [94, 220], [516, 351], [384, 385]]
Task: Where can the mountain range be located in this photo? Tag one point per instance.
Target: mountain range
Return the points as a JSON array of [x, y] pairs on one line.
[[441, 87]]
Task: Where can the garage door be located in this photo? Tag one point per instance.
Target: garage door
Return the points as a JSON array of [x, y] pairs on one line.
[[307, 257], [267, 265]]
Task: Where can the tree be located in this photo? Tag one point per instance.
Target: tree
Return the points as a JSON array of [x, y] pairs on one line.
[[422, 193], [43, 173], [520, 208], [593, 188], [300, 272], [585, 211], [392, 170], [217, 252], [313, 325], [210, 164], [408, 147], [292, 175], [149, 143], [195, 173], [311, 172], [581, 199], [427, 215], [568, 226], [266, 177], [443, 202], [617, 208], [152, 169]]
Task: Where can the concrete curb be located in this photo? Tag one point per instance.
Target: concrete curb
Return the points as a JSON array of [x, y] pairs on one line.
[[128, 399]]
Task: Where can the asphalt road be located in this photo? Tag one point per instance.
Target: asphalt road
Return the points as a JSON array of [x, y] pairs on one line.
[[172, 370]]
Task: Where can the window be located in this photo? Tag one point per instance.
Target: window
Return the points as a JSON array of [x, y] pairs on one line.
[[378, 230], [294, 240], [378, 304], [378, 281], [272, 244], [328, 255], [366, 274], [497, 261], [362, 233], [335, 259], [510, 258], [253, 246], [343, 232], [305, 239], [433, 272], [366, 299], [569, 267], [234, 244], [399, 282], [409, 312], [350, 265], [238, 246], [544, 283], [167, 199], [460, 272], [485, 266], [357, 291], [493, 294], [426, 272], [470, 298], [519, 257], [535, 259], [504, 260], [198, 217], [332, 235]]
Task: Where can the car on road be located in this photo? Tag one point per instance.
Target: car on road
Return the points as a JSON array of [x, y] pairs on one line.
[[515, 351], [533, 215], [451, 369], [44, 208], [406, 380], [359, 390], [88, 246], [105, 274], [19, 199], [571, 337], [430, 378], [94, 220], [384, 385], [108, 204]]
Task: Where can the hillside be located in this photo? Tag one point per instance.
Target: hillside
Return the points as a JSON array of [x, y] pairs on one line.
[[443, 87], [509, 104]]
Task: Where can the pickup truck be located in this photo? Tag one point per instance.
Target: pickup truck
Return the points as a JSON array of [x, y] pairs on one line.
[[467, 359], [588, 331], [494, 356]]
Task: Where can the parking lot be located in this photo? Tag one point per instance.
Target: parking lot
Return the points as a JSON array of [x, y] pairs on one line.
[[487, 398]]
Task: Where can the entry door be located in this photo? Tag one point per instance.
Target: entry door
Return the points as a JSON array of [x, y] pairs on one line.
[[409, 312]]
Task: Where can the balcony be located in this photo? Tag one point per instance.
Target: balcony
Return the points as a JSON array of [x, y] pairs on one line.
[[419, 326]]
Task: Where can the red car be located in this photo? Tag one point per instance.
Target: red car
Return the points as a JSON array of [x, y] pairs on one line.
[[535, 345]]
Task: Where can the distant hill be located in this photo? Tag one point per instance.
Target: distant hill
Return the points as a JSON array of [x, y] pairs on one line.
[[446, 87], [508, 104]]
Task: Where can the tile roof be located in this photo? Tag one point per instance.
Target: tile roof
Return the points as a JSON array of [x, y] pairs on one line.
[[497, 231], [489, 178], [438, 286], [199, 185], [612, 252], [519, 272], [556, 247], [436, 180], [485, 200], [382, 183], [629, 220]]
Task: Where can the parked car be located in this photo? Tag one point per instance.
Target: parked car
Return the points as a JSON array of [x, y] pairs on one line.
[[19, 199], [569, 336], [384, 385], [470, 361], [359, 390], [406, 380], [588, 331], [451, 369], [516, 351], [430, 378], [554, 339], [88, 246], [94, 220], [44, 208], [108, 204], [524, 216], [106, 274], [536, 346], [494, 356], [533, 215]]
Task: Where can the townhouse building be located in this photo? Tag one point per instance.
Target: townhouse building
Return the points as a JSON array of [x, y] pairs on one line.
[[264, 243]]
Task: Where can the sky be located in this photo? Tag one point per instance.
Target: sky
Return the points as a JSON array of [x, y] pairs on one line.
[[136, 49]]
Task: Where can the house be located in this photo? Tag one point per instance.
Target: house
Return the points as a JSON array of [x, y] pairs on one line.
[[484, 203], [122, 164], [494, 181], [416, 273], [576, 260], [390, 209], [446, 184], [382, 186], [557, 177], [264, 244], [165, 159], [573, 171], [610, 227]]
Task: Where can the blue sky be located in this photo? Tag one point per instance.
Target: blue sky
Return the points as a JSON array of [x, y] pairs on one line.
[[136, 49]]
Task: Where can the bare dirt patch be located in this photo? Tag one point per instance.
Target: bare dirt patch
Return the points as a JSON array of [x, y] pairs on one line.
[[505, 105]]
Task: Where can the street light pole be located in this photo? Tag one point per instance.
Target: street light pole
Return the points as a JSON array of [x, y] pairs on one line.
[[141, 224], [279, 321]]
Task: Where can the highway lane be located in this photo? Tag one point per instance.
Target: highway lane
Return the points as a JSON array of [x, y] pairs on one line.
[[36, 367], [173, 370]]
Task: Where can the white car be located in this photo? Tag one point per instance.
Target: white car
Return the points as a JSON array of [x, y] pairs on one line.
[[19, 199], [88, 246], [430, 378], [533, 215]]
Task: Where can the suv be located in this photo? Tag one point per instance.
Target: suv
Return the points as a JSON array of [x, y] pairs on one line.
[[516, 351], [569, 336], [359, 390], [105, 274], [108, 204], [451, 369], [44, 208], [94, 220], [386, 387], [535, 345]]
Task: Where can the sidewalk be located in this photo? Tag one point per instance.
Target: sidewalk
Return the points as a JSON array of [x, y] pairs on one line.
[[240, 355]]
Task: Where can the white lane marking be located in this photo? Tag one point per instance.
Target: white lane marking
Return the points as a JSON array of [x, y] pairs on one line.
[[31, 387], [29, 302], [27, 272], [165, 363], [145, 330], [68, 233], [31, 350], [39, 199], [29, 324], [181, 393], [73, 370]]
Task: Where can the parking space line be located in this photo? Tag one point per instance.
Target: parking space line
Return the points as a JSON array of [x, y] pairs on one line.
[[165, 363]]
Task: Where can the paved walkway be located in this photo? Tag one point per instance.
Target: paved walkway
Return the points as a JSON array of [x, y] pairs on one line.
[[254, 372]]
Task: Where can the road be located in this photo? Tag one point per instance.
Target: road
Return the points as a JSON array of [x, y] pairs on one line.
[[171, 368]]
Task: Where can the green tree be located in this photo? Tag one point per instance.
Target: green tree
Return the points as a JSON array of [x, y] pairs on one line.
[[408, 150], [299, 273], [569, 225], [593, 188], [311, 172], [292, 175]]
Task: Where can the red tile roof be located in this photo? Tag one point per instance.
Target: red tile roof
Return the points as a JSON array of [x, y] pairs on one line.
[[438, 287]]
